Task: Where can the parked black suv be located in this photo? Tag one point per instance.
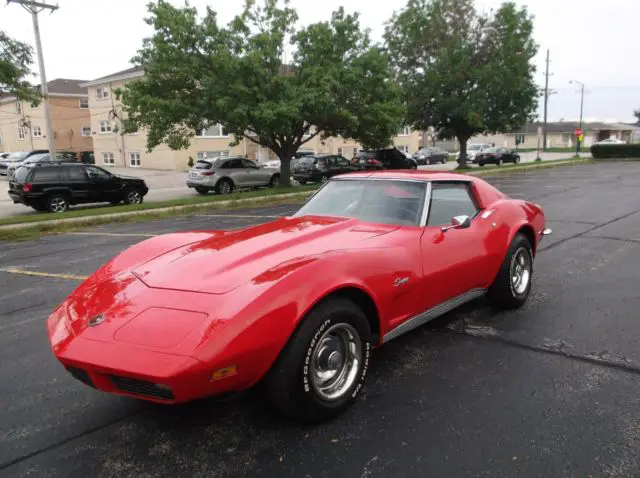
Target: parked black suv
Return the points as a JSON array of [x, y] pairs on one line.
[[390, 158], [321, 167], [54, 187]]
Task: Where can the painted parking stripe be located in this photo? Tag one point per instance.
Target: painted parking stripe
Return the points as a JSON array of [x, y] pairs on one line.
[[116, 234], [43, 274]]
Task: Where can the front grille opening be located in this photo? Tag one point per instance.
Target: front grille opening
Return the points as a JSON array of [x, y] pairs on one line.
[[81, 375], [142, 387]]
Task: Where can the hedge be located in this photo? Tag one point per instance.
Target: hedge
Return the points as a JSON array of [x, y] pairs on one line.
[[613, 151]]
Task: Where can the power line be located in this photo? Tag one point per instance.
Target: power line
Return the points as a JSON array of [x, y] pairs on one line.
[[34, 8]]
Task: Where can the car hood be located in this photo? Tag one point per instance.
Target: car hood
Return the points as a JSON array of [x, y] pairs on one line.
[[127, 178], [222, 263]]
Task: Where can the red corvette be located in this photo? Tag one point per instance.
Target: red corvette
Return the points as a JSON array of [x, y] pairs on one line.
[[297, 304]]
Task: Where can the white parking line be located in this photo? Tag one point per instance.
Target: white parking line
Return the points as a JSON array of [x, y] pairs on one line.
[[124, 234], [43, 274]]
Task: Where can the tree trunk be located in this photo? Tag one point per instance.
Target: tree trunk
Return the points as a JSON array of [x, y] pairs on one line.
[[285, 170], [462, 163]]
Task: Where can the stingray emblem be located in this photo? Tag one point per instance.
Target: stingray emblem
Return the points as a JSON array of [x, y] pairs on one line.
[[400, 281], [97, 320]]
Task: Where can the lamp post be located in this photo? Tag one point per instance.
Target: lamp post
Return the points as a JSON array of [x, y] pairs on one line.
[[581, 108]]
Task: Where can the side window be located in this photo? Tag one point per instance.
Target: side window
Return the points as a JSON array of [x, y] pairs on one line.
[[248, 164], [234, 164], [97, 173], [449, 200], [73, 174], [342, 161], [226, 165], [45, 175]]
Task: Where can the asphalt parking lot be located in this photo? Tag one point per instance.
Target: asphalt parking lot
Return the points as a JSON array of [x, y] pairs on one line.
[[552, 389]]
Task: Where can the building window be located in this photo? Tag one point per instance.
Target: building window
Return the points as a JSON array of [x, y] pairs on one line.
[[212, 154], [215, 131], [134, 160], [404, 131], [102, 93], [339, 151], [0, 139], [84, 103], [404, 148], [36, 132], [108, 159], [86, 131], [355, 151], [18, 107], [105, 127], [20, 134]]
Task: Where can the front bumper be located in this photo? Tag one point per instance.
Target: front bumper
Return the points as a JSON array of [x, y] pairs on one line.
[[145, 374]]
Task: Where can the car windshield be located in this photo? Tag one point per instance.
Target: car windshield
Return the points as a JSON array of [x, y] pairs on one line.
[[203, 164], [366, 154], [474, 147], [307, 160], [37, 158], [379, 201], [492, 150], [18, 156]]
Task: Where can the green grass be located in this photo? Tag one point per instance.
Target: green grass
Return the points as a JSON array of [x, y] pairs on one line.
[[194, 200], [509, 168], [37, 230], [583, 149]]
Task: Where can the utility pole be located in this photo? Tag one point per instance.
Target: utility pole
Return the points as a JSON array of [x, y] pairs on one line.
[[546, 101], [578, 142], [34, 8]]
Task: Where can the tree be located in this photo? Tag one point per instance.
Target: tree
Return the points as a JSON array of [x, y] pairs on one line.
[[636, 113], [462, 72], [15, 65], [199, 73]]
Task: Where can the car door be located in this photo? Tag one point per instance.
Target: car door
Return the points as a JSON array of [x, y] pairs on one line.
[[256, 176], [102, 185], [77, 181], [455, 261], [343, 165], [237, 171]]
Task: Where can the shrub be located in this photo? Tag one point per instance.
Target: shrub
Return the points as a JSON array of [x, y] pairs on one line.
[[190, 162], [615, 151]]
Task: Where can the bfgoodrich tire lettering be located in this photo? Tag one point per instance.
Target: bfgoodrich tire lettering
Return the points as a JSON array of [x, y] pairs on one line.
[[512, 285], [303, 383]]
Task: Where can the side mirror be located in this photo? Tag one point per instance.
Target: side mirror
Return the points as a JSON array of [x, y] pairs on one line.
[[458, 222]]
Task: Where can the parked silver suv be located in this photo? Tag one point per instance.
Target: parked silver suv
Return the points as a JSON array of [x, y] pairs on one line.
[[223, 175]]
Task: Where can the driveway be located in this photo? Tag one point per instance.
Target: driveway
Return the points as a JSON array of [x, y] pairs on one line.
[[551, 389]]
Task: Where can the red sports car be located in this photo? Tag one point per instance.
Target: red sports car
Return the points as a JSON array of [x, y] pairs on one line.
[[297, 304]]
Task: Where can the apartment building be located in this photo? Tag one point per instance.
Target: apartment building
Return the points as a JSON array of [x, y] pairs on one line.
[[112, 148], [23, 127]]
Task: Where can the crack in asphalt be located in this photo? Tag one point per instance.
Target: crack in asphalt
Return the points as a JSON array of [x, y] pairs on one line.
[[592, 359], [53, 446], [631, 241], [22, 309], [591, 229]]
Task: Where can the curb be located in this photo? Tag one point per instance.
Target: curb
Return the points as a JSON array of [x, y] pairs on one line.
[[253, 200], [201, 205]]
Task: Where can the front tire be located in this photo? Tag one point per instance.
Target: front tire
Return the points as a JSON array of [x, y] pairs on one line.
[[517, 159], [133, 196], [57, 203], [512, 285], [321, 371], [274, 181], [499, 162]]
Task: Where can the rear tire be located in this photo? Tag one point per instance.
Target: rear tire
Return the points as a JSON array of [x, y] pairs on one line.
[[202, 190], [57, 203], [517, 159], [274, 181], [322, 369], [224, 186], [444, 160], [499, 162], [512, 285]]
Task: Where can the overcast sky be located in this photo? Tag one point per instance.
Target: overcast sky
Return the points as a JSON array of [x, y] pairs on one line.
[[590, 41]]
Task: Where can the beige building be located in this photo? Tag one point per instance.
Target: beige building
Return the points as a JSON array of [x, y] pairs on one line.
[[130, 150], [23, 128]]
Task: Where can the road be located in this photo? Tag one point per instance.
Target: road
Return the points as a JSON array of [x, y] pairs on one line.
[[552, 389], [164, 185]]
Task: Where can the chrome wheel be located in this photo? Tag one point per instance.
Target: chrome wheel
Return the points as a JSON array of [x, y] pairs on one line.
[[134, 197], [58, 204], [335, 362], [225, 187], [520, 271]]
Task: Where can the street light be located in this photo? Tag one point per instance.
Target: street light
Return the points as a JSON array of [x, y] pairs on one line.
[[581, 106]]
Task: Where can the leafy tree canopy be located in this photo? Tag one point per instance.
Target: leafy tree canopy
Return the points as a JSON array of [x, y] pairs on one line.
[[198, 72], [15, 65], [463, 72]]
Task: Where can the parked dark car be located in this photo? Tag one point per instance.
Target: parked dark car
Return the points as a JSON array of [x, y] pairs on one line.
[[431, 155], [321, 167], [389, 158], [14, 159], [497, 156], [53, 187]]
